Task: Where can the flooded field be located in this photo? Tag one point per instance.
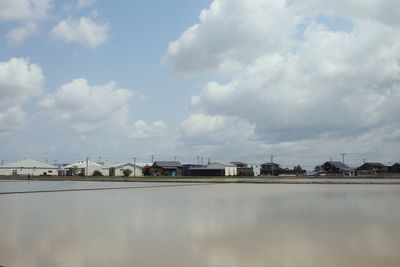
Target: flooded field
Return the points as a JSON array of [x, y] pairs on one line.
[[200, 225]]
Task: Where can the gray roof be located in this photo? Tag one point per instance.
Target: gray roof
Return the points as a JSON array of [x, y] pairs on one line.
[[165, 164], [28, 163], [119, 165], [339, 165]]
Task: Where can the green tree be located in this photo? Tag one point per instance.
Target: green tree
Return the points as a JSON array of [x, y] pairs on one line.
[[127, 172], [97, 173]]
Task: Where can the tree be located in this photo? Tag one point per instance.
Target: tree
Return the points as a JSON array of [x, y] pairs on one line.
[[97, 173], [127, 172]]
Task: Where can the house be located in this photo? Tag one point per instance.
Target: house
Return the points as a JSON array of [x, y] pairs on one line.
[[244, 169], [118, 169], [187, 167], [371, 168], [239, 164], [270, 168], [166, 168], [214, 169], [84, 168], [337, 168], [395, 168], [29, 167]]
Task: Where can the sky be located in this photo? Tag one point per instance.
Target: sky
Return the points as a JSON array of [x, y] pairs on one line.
[[229, 80]]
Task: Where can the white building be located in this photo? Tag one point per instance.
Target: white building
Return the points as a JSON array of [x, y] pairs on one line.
[[230, 169], [83, 168], [118, 169], [256, 169], [28, 167]]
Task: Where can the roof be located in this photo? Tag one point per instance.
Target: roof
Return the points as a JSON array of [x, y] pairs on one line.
[[119, 165], [29, 163], [339, 165], [164, 164], [369, 165], [217, 165], [270, 164], [82, 164]]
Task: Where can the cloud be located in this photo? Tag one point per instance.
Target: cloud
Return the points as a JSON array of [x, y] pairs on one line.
[[12, 119], [382, 11], [350, 79], [24, 10], [19, 80], [233, 32], [213, 134], [298, 80], [86, 107], [142, 130], [84, 31], [85, 3], [18, 35]]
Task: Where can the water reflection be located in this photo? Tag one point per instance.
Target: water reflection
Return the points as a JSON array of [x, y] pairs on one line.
[[216, 225]]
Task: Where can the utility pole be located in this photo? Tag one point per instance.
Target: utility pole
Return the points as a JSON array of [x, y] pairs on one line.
[[343, 154], [364, 160], [272, 158], [202, 161], [198, 160], [209, 161], [87, 166], [47, 160], [175, 158], [134, 166], [152, 158]]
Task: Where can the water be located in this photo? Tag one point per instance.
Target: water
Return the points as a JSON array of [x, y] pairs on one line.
[[204, 225]]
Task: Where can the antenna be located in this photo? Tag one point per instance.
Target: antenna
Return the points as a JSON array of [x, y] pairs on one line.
[[134, 166], [87, 166]]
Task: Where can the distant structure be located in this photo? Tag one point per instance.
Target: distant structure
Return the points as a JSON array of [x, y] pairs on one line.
[[214, 169], [166, 168], [337, 168], [270, 168], [371, 168], [28, 167]]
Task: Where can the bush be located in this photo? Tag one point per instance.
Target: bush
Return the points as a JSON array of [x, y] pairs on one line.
[[127, 172], [97, 173]]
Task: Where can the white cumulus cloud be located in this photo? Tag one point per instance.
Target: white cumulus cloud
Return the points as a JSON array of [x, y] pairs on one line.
[[143, 130], [84, 31], [299, 79], [17, 36], [12, 119], [233, 32], [88, 107], [24, 10], [19, 80]]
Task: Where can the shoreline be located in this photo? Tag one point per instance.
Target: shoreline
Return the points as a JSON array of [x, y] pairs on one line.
[[395, 180]]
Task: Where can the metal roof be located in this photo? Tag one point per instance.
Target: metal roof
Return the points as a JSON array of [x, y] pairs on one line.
[[164, 164], [29, 163], [339, 165]]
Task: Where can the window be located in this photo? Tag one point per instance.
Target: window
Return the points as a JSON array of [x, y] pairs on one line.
[[14, 172]]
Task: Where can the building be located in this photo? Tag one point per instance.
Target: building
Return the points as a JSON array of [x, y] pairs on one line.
[[337, 168], [371, 168], [214, 169], [395, 168], [244, 169], [118, 169], [84, 168], [166, 168], [28, 167], [187, 167], [270, 168]]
